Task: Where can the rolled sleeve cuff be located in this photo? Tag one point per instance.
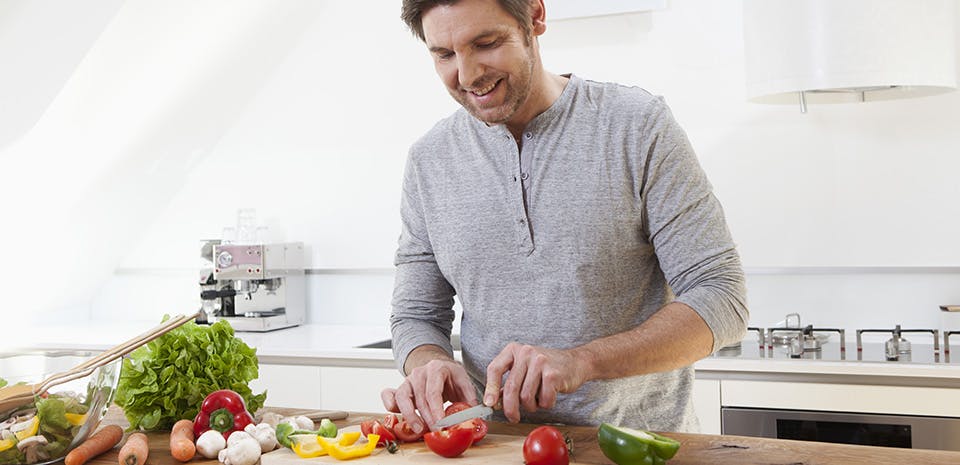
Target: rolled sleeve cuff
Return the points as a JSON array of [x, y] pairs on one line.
[[725, 314]]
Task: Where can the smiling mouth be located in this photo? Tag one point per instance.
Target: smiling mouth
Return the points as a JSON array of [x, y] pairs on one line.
[[485, 90]]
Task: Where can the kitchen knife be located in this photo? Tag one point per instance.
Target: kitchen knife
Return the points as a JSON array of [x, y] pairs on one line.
[[479, 411]]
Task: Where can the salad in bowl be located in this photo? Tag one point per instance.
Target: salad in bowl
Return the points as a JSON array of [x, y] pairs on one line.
[[46, 429]]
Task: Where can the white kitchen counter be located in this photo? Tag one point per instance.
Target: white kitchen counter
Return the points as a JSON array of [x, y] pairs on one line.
[[336, 345]]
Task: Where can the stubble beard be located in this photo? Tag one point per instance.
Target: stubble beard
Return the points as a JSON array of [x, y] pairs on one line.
[[516, 94]]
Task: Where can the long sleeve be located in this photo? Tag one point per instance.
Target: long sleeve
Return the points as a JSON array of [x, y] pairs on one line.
[[422, 297], [686, 225]]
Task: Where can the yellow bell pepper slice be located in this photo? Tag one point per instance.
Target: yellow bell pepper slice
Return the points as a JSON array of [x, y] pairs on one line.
[[307, 449], [76, 419], [351, 451], [30, 430], [348, 438], [21, 435]]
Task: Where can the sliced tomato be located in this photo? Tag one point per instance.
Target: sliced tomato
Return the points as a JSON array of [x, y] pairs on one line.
[[454, 408], [390, 420], [386, 434], [478, 426], [449, 442], [405, 432], [366, 427]]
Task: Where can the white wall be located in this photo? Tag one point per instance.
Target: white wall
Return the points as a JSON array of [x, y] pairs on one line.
[[311, 129]]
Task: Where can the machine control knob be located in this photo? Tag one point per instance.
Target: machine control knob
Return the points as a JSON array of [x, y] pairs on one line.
[[224, 259]]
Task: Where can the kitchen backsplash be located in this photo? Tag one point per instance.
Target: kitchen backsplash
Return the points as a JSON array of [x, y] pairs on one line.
[[838, 297]]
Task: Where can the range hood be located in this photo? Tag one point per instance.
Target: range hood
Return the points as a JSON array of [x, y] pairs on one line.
[[836, 51]]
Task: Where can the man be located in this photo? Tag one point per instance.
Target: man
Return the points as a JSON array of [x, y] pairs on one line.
[[592, 262]]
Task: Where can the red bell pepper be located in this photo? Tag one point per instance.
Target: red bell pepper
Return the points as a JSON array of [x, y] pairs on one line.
[[223, 411]]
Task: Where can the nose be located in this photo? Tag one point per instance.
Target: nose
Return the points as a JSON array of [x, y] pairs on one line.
[[469, 70]]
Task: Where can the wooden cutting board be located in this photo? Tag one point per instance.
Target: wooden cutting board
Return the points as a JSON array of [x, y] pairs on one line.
[[495, 449]]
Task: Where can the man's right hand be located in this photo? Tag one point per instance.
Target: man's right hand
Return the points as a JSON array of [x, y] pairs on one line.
[[427, 386]]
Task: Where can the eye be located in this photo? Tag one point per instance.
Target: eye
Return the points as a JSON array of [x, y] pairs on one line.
[[487, 44]]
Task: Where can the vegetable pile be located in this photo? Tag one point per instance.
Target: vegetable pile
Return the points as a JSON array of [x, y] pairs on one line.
[[165, 380]]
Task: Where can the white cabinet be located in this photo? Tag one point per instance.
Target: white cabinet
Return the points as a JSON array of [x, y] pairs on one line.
[[890, 400], [356, 389], [295, 386], [706, 401], [327, 388]]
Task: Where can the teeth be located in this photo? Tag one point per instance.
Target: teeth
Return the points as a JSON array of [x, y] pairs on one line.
[[485, 90]]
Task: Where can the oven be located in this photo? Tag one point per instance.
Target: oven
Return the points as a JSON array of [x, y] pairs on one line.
[[917, 432]]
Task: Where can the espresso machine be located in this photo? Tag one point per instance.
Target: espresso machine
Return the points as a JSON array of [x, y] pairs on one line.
[[255, 287]]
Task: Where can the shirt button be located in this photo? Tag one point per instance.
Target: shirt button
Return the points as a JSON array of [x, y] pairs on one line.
[[529, 135], [514, 179], [524, 176], [523, 222]]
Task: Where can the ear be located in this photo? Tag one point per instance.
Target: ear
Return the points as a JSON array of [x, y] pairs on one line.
[[538, 15]]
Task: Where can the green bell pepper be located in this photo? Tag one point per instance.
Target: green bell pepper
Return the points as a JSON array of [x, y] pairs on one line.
[[284, 430], [627, 446]]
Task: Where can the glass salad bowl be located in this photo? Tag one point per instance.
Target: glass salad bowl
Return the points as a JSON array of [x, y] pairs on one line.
[[43, 431]]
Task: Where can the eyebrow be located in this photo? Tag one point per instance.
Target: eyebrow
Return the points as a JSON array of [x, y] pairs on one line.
[[481, 35]]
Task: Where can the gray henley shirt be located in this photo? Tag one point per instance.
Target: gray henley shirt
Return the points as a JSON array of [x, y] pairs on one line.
[[608, 218]]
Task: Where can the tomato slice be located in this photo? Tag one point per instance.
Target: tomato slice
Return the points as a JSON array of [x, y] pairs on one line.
[[390, 421], [366, 427], [454, 408], [375, 427], [405, 432], [449, 442], [477, 425]]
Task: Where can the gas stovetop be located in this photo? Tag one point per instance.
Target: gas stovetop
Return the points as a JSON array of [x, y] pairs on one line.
[[897, 345]]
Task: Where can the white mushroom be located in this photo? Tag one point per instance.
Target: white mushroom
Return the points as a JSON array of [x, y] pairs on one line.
[[242, 449], [264, 434], [271, 418], [30, 447], [210, 443]]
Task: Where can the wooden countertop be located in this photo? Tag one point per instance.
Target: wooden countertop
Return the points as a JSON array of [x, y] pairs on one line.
[[696, 449]]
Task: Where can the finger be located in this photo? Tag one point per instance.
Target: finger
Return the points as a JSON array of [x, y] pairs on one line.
[[420, 399], [548, 389], [531, 383], [464, 385], [389, 398], [434, 395], [405, 403], [495, 371], [511, 389]]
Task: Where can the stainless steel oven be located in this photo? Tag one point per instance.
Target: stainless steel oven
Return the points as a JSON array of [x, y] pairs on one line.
[[917, 432]]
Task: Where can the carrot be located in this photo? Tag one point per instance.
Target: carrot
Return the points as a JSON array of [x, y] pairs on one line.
[[182, 447], [134, 451], [96, 444]]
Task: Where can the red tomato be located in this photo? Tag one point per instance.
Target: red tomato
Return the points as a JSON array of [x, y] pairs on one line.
[[405, 433], [545, 446], [386, 434], [366, 427], [477, 425], [454, 408], [449, 442], [390, 420]]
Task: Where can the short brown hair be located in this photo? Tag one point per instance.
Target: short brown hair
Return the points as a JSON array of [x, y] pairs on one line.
[[413, 10]]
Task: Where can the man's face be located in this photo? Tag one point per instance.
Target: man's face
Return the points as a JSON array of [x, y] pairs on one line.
[[482, 56]]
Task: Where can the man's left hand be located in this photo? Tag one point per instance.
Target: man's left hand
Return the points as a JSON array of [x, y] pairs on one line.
[[534, 376]]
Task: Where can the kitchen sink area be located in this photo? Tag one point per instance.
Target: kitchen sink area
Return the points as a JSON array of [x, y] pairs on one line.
[[388, 343]]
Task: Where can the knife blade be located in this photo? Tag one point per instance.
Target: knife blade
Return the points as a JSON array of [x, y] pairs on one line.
[[479, 411]]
